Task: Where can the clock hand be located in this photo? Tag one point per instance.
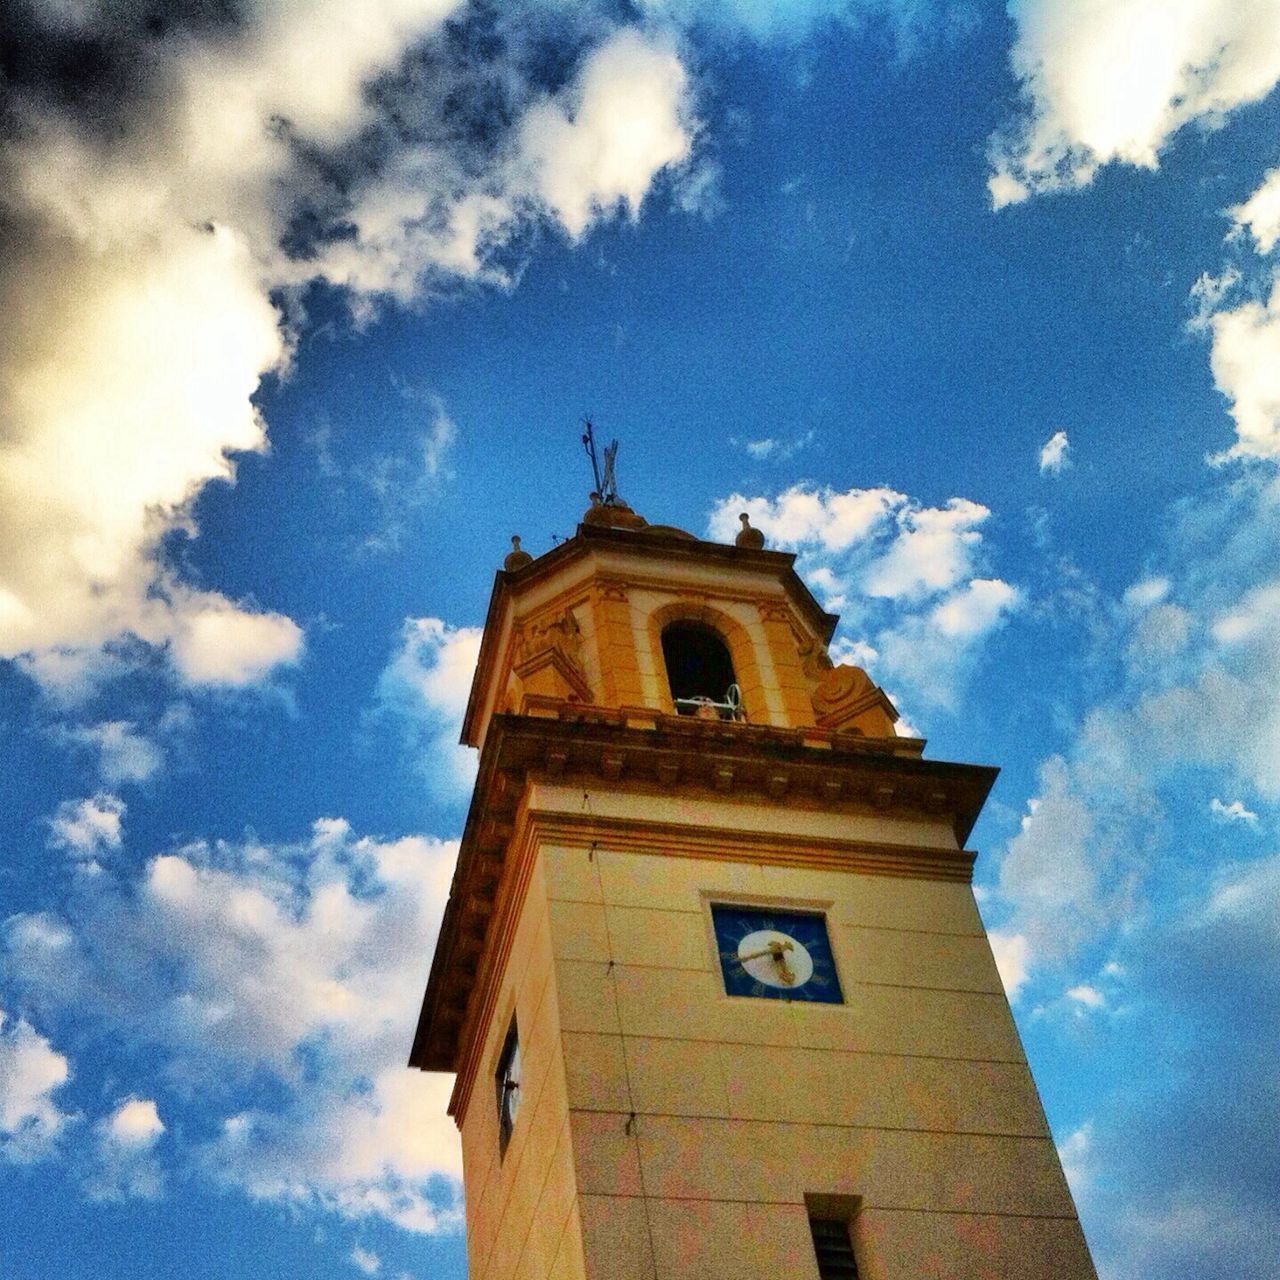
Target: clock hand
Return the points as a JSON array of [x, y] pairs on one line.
[[774, 949]]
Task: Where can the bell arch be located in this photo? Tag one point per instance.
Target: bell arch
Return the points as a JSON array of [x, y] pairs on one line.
[[693, 618]]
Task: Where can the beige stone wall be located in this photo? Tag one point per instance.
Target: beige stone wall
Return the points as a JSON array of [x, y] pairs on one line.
[[700, 1122], [522, 1216]]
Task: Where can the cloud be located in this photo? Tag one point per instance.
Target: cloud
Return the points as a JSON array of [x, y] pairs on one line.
[[135, 1123], [158, 240], [917, 610], [580, 152], [1086, 995], [267, 994], [124, 755], [809, 518], [1010, 952], [216, 643], [776, 448], [1049, 871], [1189, 1187], [909, 22], [437, 441], [1199, 645], [123, 1164], [1142, 595], [423, 692], [1245, 359], [399, 483], [932, 552], [85, 828], [1260, 214], [31, 1072], [597, 147], [1075, 1152], [1053, 454], [1233, 812], [1115, 82], [366, 1260]]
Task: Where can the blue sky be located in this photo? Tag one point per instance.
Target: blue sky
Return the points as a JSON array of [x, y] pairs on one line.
[[973, 308]]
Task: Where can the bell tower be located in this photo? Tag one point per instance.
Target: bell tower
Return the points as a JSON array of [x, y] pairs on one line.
[[711, 976]]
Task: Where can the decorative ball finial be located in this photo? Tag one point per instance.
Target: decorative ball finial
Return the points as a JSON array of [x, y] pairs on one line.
[[747, 536], [516, 559]]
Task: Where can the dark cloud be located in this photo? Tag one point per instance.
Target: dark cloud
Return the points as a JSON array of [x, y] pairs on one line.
[[97, 63]]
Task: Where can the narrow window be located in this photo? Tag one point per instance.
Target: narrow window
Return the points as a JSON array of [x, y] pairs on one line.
[[833, 1248], [507, 1080], [700, 672]]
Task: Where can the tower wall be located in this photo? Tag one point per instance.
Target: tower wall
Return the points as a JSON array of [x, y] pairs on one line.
[[521, 1203], [684, 1132]]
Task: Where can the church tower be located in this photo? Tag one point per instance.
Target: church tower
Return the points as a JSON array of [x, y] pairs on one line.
[[711, 976]]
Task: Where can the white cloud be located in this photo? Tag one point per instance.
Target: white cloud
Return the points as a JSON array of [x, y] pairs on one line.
[[1048, 870], [31, 1072], [809, 519], [135, 1123], [366, 1260], [1142, 595], [1233, 812], [975, 609], [1011, 955], [124, 1165], [145, 275], [1116, 81], [1208, 294], [125, 755], [599, 146], [1245, 895], [909, 22], [905, 576], [935, 652], [216, 643], [776, 448], [1160, 633], [1076, 1152], [278, 985], [85, 828], [933, 551], [1086, 995], [1198, 692], [438, 441], [1260, 214], [424, 691], [1054, 454], [1245, 359]]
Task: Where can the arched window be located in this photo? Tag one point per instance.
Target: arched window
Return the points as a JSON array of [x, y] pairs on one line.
[[700, 671]]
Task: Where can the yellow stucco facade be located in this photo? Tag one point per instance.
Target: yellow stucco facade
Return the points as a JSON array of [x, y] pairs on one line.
[[666, 1128]]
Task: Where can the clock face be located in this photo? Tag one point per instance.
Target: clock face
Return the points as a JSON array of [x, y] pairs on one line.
[[775, 954]]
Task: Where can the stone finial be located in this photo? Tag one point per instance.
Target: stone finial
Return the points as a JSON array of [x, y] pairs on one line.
[[747, 536], [516, 559]]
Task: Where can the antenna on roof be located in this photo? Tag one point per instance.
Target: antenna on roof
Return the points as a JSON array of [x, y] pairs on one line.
[[606, 489]]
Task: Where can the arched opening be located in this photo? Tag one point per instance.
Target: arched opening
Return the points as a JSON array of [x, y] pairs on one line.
[[700, 672]]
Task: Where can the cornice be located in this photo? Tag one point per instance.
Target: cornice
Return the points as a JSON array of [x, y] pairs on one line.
[[637, 750]]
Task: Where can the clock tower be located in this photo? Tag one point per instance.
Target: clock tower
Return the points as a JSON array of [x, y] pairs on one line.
[[711, 976]]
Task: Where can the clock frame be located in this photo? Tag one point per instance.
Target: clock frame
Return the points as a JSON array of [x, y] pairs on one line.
[[775, 953]]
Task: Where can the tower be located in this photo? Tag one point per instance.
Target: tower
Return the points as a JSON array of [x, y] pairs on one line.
[[711, 975]]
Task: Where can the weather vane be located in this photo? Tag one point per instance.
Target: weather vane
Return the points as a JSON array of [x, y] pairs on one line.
[[606, 481]]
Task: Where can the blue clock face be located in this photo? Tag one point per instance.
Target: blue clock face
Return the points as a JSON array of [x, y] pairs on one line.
[[775, 955]]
